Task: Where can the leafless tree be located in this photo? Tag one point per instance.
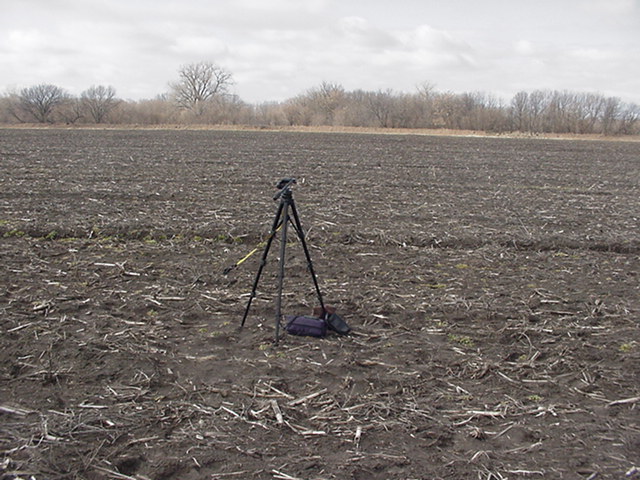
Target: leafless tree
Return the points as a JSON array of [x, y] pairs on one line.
[[381, 104], [297, 110], [153, 111], [41, 101], [410, 111], [482, 111], [629, 118], [610, 115], [99, 101], [427, 94], [71, 110], [538, 103], [527, 110], [448, 110], [573, 113], [199, 83], [324, 102], [8, 104], [519, 110], [592, 106], [269, 113], [561, 113]]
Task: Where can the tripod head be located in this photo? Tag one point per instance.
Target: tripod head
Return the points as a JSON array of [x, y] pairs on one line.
[[284, 186]]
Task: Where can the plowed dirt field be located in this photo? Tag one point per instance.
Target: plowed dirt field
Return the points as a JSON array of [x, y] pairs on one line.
[[492, 286]]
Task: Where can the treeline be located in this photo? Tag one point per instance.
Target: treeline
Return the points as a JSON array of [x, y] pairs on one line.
[[329, 104]]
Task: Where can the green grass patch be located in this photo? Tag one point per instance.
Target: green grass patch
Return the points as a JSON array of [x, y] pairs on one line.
[[627, 347], [436, 286], [14, 233], [463, 340]]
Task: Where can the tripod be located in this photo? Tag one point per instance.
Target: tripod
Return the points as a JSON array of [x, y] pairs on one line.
[[281, 221]]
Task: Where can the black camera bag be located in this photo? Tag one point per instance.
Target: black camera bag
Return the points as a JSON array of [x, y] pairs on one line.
[[306, 326]]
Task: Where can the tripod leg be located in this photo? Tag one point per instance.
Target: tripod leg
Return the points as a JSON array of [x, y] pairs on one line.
[[283, 245], [298, 228], [263, 261]]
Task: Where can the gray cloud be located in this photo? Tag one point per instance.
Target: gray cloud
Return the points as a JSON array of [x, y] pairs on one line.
[[279, 48]]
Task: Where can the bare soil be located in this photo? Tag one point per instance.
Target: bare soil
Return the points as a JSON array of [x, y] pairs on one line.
[[491, 284]]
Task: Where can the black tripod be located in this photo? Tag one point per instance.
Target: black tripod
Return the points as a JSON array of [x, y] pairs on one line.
[[282, 220]]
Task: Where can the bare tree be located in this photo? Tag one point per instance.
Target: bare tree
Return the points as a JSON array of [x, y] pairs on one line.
[[199, 83], [41, 100], [8, 107], [538, 103], [448, 110], [629, 118], [99, 101], [482, 111], [592, 108], [153, 111], [427, 94], [610, 114], [71, 111], [298, 111], [408, 111], [324, 102], [519, 110], [381, 104], [561, 114]]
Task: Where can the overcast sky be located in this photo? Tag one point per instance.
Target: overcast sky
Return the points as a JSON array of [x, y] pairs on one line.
[[277, 49]]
